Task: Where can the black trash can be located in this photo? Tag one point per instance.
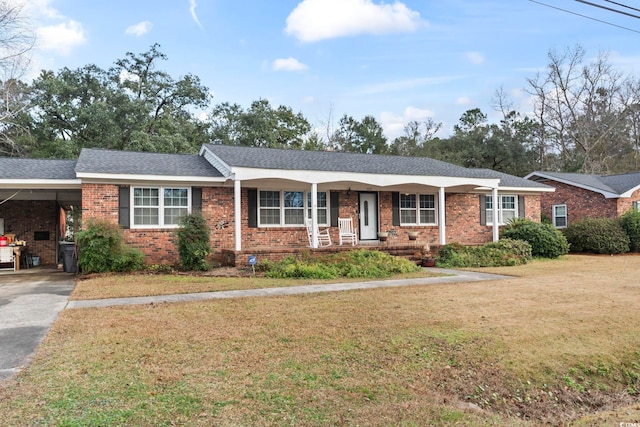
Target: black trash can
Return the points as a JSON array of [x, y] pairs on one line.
[[69, 259]]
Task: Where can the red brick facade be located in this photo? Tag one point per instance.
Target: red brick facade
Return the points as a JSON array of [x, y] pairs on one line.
[[583, 203], [158, 245], [26, 217]]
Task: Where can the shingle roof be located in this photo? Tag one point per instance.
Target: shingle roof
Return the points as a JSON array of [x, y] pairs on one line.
[[328, 161], [136, 163], [616, 184], [20, 168]]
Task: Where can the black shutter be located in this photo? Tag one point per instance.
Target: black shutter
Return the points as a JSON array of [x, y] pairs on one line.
[[521, 210], [196, 199], [124, 203], [395, 209], [335, 207], [483, 209], [252, 205]]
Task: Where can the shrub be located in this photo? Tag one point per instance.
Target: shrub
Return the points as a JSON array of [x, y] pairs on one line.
[[630, 223], [353, 264], [101, 248], [193, 242], [546, 241], [505, 252], [597, 235]]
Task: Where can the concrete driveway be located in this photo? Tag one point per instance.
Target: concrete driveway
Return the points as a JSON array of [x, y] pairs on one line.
[[29, 303]]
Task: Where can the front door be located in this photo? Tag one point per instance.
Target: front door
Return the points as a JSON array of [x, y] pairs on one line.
[[368, 216]]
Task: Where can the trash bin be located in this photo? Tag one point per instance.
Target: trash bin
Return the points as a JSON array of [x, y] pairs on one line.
[[69, 260]]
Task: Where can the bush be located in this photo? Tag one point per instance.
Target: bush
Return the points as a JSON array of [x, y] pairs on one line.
[[630, 223], [505, 252], [597, 235], [193, 242], [101, 248], [353, 264], [546, 241]]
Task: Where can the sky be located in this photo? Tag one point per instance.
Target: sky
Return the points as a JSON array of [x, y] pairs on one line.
[[397, 61]]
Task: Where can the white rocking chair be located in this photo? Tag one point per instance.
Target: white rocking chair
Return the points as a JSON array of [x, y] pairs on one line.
[[348, 233], [7, 256], [324, 238]]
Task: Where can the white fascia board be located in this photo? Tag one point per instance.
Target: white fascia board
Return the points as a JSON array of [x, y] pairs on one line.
[[606, 194], [215, 161], [629, 192], [379, 180], [526, 190], [36, 184], [102, 177]]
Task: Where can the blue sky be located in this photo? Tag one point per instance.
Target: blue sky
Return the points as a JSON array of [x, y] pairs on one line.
[[397, 61]]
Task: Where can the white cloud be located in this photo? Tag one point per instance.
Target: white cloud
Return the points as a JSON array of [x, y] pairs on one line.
[[192, 10], [393, 124], [463, 100], [314, 20], [288, 64], [42, 9], [61, 38], [309, 99], [476, 58], [408, 84], [140, 28]]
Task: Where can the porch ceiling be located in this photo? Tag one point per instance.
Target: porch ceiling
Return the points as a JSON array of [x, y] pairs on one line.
[[63, 196]]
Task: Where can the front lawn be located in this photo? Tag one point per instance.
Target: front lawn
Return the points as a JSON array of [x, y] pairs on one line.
[[554, 344]]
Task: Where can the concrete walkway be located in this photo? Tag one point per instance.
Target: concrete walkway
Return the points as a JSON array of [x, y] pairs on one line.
[[453, 276]]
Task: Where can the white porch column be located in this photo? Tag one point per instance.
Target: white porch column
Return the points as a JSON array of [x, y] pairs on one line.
[[237, 213], [314, 215], [494, 206], [442, 217]]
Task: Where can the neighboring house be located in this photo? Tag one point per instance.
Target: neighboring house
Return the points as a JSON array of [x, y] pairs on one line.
[[256, 200], [580, 196]]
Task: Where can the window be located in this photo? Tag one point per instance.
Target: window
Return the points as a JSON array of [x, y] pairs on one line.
[[507, 208], [560, 216], [159, 207], [417, 209], [287, 208], [323, 214], [636, 205]]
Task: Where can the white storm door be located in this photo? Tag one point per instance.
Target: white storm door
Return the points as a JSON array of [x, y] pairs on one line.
[[368, 216]]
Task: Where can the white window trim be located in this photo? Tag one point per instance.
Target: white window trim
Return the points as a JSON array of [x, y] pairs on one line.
[[566, 214], [636, 205], [306, 208], [501, 221], [418, 209], [160, 207]]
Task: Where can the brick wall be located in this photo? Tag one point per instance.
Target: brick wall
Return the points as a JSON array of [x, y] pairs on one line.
[[158, 245], [24, 217], [580, 203]]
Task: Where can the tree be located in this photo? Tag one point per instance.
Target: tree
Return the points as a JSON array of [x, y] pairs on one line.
[[128, 107], [478, 144], [416, 138], [16, 40], [364, 136], [260, 125], [583, 109]]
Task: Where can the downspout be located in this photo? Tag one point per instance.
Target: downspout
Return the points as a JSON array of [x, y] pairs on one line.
[[237, 213], [441, 217]]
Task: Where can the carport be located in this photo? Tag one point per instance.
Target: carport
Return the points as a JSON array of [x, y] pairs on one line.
[[40, 203]]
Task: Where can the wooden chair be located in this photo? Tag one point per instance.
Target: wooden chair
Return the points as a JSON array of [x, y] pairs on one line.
[[8, 257], [347, 232], [324, 238]]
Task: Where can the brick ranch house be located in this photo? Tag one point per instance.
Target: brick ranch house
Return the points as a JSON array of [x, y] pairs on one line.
[[256, 200], [578, 196]]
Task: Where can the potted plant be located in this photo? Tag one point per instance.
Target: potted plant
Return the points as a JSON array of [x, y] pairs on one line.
[[427, 259], [383, 236], [413, 235]]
